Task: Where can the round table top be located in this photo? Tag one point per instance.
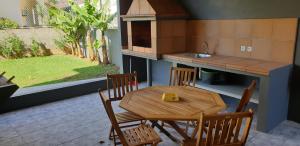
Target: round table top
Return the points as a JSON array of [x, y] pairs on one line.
[[148, 103]]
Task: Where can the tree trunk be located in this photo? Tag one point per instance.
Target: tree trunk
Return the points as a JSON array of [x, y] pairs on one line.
[[90, 46], [104, 49], [73, 49], [98, 56], [80, 54], [84, 49]]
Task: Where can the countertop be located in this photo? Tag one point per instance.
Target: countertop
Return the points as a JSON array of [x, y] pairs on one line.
[[259, 67]]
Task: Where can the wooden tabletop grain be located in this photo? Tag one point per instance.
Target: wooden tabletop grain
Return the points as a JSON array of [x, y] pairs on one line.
[[148, 103]]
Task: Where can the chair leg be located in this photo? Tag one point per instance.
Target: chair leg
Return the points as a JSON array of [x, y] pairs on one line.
[[162, 124], [143, 121], [111, 133], [187, 126], [114, 138]]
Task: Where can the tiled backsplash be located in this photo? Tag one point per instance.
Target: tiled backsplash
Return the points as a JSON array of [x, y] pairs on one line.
[[270, 39]]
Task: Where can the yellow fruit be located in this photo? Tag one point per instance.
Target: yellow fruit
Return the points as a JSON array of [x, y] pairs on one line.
[[170, 97]]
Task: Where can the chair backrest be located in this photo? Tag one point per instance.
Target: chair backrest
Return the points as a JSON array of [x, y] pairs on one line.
[[182, 76], [224, 129], [121, 84], [110, 113], [246, 97]]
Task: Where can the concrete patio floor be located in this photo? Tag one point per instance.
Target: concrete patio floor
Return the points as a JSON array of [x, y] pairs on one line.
[[82, 121]]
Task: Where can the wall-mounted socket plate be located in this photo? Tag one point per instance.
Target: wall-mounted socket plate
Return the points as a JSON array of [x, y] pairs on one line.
[[243, 48], [249, 48]]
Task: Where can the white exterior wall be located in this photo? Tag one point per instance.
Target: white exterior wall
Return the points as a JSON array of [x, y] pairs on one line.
[[11, 9]]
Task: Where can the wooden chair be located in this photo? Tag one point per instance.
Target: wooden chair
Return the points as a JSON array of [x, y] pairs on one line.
[[182, 76], [223, 129], [137, 136], [121, 84], [248, 92]]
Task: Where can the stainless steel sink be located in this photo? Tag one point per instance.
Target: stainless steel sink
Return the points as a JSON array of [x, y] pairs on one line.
[[202, 55]]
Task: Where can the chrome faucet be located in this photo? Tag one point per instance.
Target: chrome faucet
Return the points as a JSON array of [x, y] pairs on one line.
[[204, 46]]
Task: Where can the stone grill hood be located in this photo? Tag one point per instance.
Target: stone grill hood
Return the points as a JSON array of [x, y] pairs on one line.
[[155, 9]]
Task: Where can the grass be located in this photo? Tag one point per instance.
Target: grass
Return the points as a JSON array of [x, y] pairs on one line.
[[52, 69]]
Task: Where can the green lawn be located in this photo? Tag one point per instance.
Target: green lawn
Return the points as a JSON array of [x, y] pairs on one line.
[[52, 69]]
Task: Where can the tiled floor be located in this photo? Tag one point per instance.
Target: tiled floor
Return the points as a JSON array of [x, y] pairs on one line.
[[82, 121]]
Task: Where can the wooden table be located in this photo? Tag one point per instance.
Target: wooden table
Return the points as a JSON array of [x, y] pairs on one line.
[[147, 103]]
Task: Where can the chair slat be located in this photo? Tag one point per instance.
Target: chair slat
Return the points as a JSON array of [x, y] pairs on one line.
[[121, 84], [237, 129], [201, 130], [174, 78], [217, 131], [189, 74], [108, 85], [136, 81], [224, 129], [194, 77], [171, 77], [209, 134], [122, 80], [118, 81], [247, 127], [185, 78], [114, 87], [126, 84], [130, 83], [230, 131], [182, 76], [177, 78]]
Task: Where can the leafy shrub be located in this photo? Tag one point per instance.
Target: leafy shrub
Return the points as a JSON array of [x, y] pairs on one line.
[[35, 48], [39, 49], [97, 44], [45, 50], [63, 45], [7, 23], [12, 47]]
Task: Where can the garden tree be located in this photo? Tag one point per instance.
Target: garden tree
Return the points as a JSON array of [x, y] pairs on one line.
[[86, 13], [103, 19], [97, 17], [80, 21], [72, 25]]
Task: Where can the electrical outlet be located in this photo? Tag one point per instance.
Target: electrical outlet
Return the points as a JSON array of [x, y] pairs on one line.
[[243, 48], [249, 48]]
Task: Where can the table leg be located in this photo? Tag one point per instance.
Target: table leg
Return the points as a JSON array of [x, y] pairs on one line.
[[163, 130], [178, 129]]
